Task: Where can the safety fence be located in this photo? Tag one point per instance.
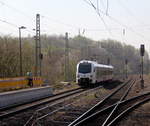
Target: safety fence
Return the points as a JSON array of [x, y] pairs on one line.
[[18, 82]]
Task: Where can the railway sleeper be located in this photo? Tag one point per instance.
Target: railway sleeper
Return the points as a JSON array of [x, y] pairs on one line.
[[74, 113]]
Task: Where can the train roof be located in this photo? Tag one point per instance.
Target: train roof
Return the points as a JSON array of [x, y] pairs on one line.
[[97, 64], [104, 66]]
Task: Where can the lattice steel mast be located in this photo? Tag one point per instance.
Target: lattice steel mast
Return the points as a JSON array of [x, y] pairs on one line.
[[38, 55]]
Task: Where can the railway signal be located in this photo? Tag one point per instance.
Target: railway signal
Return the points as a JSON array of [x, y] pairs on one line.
[[142, 51], [126, 63]]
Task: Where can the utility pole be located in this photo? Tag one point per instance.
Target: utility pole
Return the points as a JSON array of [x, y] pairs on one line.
[[79, 34], [66, 57], [38, 54], [20, 48]]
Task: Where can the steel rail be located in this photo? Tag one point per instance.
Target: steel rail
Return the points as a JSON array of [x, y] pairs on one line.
[[125, 112], [54, 95], [110, 108], [90, 111], [54, 111], [41, 102], [117, 105], [48, 114]]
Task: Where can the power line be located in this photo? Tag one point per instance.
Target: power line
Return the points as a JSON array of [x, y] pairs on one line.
[[129, 28], [129, 12], [120, 23], [18, 11], [97, 5], [43, 16], [107, 7], [60, 22], [102, 3], [15, 9], [102, 29], [87, 2], [115, 20], [4, 21], [27, 16], [13, 25], [98, 12]]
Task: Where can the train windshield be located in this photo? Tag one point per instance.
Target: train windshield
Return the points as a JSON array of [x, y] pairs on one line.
[[85, 67]]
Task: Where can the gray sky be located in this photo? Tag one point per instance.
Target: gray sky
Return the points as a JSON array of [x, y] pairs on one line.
[[60, 16]]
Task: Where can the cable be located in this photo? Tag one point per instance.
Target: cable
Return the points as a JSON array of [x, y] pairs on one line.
[[4, 21], [98, 12], [103, 29], [102, 3], [129, 28], [87, 2], [118, 22], [107, 7], [60, 22], [2, 3], [97, 5], [22, 13], [129, 12], [14, 25]]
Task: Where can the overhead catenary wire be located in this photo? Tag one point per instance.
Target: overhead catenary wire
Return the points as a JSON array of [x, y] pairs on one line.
[[31, 19], [14, 25], [107, 7], [43, 16], [121, 24], [102, 4], [130, 12], [9, 23], [98, 12], [112, 29], [15, 9], [59, 22], [118, 22], [47, 17], [18, 11], [97, 5], [129, 28]]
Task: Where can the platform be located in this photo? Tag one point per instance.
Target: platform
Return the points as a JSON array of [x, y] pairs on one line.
[[11, 98]]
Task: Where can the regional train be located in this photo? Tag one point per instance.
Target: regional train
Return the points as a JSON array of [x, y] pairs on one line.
[[89, 73]]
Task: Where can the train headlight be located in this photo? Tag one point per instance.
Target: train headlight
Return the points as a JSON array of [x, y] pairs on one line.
[[91, 76]]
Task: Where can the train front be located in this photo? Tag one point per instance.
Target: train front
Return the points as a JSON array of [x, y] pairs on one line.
[[84, 73]]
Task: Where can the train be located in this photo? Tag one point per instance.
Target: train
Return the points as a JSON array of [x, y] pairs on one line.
[[89, 73]]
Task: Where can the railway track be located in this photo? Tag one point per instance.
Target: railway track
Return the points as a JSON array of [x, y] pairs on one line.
[[71, 112], [51, 109], [126, 106], [51, 104], [106, 112], [116, 98], [10, 111]]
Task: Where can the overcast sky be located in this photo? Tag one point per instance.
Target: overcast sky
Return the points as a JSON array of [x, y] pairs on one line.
[[60, 16]]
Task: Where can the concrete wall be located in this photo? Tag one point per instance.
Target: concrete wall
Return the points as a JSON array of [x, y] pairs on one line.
[[12, 98]]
